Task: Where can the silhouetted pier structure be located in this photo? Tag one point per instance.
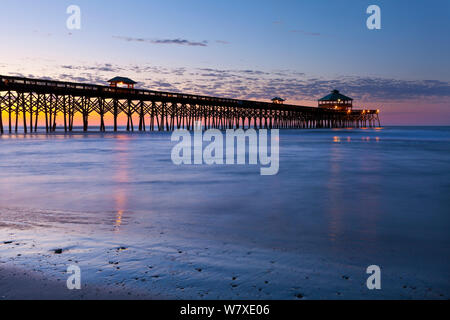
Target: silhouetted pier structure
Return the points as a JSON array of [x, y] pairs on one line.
[[30, 99]]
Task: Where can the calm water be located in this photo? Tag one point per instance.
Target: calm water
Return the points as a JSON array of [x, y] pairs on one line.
[[343, 200]]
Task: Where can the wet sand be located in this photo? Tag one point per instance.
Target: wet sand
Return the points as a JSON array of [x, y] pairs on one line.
[[20, 284], [30, 270]]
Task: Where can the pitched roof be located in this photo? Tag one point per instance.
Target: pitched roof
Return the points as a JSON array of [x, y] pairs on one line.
[[335, 95], [122, 79]]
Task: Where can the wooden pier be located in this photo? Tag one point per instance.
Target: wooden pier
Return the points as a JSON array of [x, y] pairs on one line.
[[32, 100]]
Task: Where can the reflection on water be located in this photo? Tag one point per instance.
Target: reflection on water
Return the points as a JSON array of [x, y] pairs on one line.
[[348, 169], [336, 191], [121, 176], [338, 139], [118, 222]]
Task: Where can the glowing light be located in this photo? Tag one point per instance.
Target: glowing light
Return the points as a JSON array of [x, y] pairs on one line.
[[119, 216]]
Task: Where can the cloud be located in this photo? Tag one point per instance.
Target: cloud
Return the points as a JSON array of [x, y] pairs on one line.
[[296, 87], [252, 83], [17, 74], [106, 67], [182, 42], [83, 78]]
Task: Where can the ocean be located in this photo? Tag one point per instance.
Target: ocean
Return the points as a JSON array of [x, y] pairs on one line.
[[343, 200]]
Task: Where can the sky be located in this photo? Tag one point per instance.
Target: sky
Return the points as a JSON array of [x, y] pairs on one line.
[[299, 50]]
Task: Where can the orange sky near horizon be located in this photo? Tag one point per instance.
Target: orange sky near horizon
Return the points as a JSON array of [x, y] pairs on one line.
[[390, 114]]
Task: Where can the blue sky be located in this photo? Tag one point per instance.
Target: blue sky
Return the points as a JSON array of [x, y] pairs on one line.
[[249, 49]]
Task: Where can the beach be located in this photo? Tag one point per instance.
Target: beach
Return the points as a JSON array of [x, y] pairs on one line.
[[140, 227]]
